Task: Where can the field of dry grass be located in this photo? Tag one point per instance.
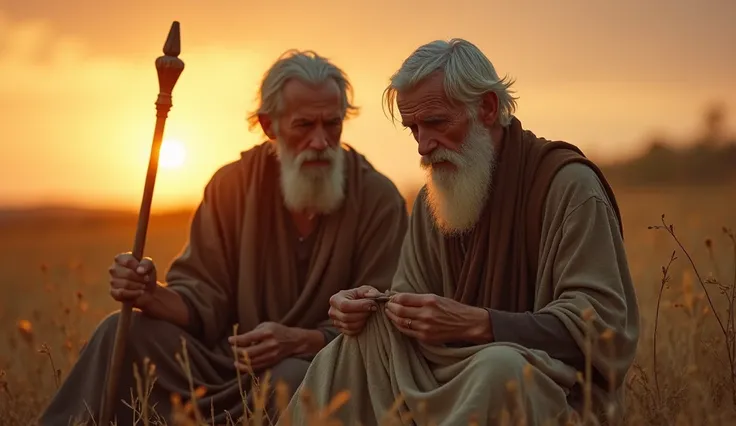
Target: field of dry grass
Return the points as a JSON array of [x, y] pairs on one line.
[[53, 291]]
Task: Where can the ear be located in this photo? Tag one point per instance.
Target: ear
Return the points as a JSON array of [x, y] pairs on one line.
[[488, 111], [267, 125]]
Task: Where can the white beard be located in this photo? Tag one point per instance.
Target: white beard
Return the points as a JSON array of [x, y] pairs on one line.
[[319, 190], [456, 198]]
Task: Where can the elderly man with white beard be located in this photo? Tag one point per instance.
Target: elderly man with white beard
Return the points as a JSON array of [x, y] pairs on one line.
[[514, 258], [295, 220]]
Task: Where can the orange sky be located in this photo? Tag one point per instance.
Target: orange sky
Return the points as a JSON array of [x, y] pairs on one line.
[[77, 81]]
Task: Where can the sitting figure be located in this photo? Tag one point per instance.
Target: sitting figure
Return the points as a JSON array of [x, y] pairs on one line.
[[293, 221], [514, 258]]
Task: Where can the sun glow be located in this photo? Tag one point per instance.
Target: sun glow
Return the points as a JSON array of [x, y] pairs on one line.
[[173, 154]]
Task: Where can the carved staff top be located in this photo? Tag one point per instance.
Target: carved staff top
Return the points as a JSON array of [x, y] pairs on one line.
[[169, 68]]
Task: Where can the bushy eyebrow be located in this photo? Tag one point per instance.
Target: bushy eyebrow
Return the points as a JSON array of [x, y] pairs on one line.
[[309, 120], [429, 119]]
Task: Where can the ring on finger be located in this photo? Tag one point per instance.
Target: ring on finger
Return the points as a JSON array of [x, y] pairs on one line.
[[408, 323]]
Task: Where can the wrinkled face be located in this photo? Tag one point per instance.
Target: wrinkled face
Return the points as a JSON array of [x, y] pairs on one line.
[[456, 152], [307, 134]]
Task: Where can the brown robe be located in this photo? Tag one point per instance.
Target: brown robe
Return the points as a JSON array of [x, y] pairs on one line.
[[242, 265], [549, 242]]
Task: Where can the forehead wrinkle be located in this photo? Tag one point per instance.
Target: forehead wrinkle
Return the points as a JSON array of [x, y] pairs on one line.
[[299, 95], [422, 109]]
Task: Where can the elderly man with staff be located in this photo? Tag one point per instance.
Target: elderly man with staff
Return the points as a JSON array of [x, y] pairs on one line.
[[278, 232]]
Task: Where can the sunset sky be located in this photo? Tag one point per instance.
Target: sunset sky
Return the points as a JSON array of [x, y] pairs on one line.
[[78, 84]]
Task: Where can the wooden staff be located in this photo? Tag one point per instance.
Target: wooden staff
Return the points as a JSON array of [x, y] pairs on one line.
[[169, 67]]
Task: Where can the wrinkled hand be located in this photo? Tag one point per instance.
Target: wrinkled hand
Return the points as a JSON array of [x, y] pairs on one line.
[[264, 346], [350, 309], [132, 281], [434, 319]]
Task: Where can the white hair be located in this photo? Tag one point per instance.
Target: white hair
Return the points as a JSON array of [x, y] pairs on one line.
[[306, 66], [468, 74]]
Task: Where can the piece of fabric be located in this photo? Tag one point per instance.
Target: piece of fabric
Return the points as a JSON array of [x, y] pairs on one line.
[[242, 265], [550, 241]]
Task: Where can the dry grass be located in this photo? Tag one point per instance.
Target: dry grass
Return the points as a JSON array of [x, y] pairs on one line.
[[54, 293]]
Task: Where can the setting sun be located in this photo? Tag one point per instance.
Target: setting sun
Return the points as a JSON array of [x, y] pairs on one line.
[[172, 155]]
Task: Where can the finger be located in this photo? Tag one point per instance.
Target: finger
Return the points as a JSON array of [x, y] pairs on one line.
[[347, 316], [265, 360], [127, 260], [349, 328], [355, 306], [406, 322], [247, 365], [121, 294], [146, 267], [367, 291], [249, 338], [253, 352], [403, 311], [121, 271], [400, 323], [396, 319], [413, 299], [123, 284], [243, 367]]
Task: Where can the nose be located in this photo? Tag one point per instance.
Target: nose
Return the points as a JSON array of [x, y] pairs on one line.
[[426, 144], [319, 141]]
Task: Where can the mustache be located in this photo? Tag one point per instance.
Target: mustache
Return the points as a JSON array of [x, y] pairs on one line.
[[328, 154], [441, 155]]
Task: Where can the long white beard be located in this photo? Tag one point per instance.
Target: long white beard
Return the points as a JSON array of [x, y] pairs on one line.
[[456, 197], [318, 190]]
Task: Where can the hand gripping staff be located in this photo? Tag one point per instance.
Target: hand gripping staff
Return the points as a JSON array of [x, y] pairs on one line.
[[169, 67]]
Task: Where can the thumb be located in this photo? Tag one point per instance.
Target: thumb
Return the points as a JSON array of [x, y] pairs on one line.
[[146, 266]]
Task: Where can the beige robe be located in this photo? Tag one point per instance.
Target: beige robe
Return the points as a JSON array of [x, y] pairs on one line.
[[242, 265], [579, 264]]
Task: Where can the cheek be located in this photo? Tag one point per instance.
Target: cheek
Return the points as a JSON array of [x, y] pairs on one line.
[[292, 139], [334, 133], [450, 138], [454, 136]]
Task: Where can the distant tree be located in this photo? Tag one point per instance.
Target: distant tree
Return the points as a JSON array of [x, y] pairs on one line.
[[714, 125]]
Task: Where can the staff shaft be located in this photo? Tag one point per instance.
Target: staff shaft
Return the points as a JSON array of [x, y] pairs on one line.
[[124, 318]]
